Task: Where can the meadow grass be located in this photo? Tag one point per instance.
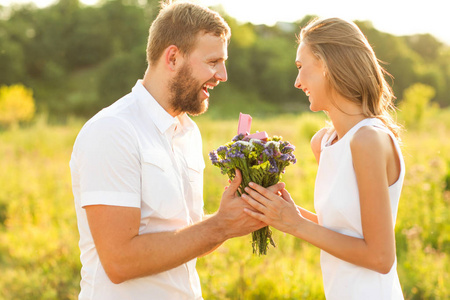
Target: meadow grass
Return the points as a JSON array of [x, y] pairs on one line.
[[39, 255]]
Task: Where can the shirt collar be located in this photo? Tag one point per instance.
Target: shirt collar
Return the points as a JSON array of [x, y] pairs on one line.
[[186, 122], [160, 117]]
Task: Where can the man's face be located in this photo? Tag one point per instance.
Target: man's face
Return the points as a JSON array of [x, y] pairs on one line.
[[203, 69]]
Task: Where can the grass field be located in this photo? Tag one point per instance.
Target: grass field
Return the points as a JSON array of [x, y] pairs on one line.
[[39, 255]]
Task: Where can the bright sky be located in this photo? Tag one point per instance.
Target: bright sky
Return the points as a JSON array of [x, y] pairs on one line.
[[399, 17]]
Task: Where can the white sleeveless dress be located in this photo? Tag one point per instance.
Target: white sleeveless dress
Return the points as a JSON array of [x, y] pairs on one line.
[[336, 201]]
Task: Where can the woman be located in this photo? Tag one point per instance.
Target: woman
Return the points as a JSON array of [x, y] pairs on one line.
[[361, 167]]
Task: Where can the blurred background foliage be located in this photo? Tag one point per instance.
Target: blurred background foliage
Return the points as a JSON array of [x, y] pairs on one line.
[[59, 65], [78, 59], [16, 105], [39, 254]]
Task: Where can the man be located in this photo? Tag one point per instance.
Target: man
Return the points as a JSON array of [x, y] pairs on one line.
[[137, 170]]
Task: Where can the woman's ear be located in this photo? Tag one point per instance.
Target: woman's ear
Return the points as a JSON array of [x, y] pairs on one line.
[[325, 70]]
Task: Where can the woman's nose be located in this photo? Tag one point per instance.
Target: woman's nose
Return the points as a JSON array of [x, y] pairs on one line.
[[297, 83]]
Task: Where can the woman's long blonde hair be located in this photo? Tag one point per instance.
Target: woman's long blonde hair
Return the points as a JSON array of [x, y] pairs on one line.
[[353, 70]]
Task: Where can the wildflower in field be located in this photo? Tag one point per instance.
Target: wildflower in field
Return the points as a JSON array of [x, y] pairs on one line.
[[260, 161]]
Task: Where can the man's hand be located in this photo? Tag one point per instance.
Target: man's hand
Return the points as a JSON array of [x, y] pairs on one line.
[[231, 215]]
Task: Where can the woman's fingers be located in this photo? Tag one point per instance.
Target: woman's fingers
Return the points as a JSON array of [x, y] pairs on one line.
[[255, 203], [263, 191], [264, 195], [276, 188], [286, 196], [261, 210], [256, 215]]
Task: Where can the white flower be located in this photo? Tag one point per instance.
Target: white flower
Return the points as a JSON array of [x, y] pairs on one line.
[[276, 145], [247, 145]]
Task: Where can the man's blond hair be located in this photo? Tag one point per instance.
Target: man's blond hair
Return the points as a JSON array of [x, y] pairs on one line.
[[179, 24]]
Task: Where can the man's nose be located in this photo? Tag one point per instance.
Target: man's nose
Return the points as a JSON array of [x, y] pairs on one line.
[[221, 74]]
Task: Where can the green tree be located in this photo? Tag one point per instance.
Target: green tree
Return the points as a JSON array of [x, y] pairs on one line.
[[67, 54], [118, 75], [395, 55], [127, 23], [89, 42], [432, 70], [426, 45], [273, 60], [415, 106], [11, 60], [261, 59], [444, 65]]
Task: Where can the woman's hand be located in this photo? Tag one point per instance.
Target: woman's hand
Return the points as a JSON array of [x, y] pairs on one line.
[[275, 209]]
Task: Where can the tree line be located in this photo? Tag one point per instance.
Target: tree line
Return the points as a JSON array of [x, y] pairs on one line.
[[78, 59]]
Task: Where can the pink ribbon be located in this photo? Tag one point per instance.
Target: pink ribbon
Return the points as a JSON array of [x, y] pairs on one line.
[[245, 123]]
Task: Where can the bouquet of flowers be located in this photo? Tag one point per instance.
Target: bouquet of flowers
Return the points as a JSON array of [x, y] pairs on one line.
[[261, 159]]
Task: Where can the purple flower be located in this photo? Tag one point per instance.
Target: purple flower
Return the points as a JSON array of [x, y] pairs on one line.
[[256, 142], [269, 152], [284, 157], [287, 148], [235, 152], [248, 155], [273, 166], [238, 137], [213, 157]]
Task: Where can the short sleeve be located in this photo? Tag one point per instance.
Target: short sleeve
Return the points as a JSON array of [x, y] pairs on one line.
[[108, 163]]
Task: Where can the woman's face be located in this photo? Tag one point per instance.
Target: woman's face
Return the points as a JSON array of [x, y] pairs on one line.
[[311, 78]]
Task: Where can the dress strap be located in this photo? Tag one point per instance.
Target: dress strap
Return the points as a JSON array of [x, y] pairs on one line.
[[327, 138]]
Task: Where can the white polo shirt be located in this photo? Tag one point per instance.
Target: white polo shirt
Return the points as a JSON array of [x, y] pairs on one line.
[[134, 154]]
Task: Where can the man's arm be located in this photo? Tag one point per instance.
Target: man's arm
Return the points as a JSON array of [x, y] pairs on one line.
[[125, 254], [205, 217]]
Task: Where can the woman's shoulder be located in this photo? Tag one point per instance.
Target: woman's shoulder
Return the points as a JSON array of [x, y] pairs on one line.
[[369, 136], [370, 139], [316, 142]]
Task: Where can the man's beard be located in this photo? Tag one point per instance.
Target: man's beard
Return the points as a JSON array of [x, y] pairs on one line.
[[185, 91]]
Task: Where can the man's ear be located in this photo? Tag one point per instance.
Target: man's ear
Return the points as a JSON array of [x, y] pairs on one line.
[[171, 55]]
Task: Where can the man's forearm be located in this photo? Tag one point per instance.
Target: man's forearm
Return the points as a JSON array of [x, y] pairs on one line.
[[125, 254], [152, 253]]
